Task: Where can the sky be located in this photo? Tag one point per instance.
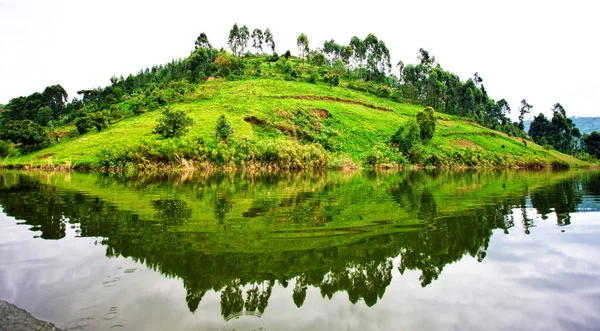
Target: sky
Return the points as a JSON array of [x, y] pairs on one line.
[[521, 49]]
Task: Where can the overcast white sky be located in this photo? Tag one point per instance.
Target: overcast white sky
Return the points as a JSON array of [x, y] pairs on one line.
[[544, 51]]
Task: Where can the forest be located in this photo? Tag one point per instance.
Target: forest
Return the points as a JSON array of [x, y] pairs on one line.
[[34, 122]]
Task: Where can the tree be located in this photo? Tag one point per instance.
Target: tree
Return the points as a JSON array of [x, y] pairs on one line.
[[202, 42], [406, 137], [302, 43], [400, 66], [524, 109], [173, 123], [539, 129], [257, 40], [477, 79], [426, 60], [592, 144], [84, 124], [233, 41], [426, 120], [30, 135], [359, 50], [269, 40], [243, 39], [372, 53], [223, 129]]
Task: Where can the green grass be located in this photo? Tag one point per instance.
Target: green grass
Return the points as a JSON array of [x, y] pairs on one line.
[[355, 123]]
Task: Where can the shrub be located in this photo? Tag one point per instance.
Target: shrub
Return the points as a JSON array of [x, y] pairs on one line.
[[426, 120], [84, 124], [406, 137], [223, 129], [7, 149], [173, 123], [29, 134]]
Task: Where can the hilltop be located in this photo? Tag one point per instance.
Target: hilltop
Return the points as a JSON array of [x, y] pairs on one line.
[[338, 107]]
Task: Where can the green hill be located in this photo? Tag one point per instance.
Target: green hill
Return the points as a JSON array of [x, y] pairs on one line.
[[287, 123], [339, 106]]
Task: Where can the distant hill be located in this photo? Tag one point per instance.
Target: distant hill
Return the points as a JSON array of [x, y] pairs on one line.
[[585, 124]]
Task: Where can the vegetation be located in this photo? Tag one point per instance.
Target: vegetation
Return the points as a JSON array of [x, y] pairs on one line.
[[332, 106], [173, 123], [223, 129]]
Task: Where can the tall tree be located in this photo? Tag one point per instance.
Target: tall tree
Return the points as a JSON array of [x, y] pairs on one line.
[[234, 39], [477, 79], [524, 109], [243, 40], [359, 52], [269, 40], [373, 53], [257, 40], [202, 42], [302, 43], [426, 59]]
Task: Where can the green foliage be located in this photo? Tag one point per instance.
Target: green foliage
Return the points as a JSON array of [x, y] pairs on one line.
[[427, 121], [173, 123], [29, 135], [592, 143], [223, 129], [84, 124], [406, 137], [7, 149], [100, 120]]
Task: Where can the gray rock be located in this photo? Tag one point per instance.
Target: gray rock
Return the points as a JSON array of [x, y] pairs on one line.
[[13, 318]]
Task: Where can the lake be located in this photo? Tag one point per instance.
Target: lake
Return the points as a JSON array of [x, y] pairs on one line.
[[466, 250]]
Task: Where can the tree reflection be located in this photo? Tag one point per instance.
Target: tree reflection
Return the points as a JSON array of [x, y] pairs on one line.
[[244, 266]]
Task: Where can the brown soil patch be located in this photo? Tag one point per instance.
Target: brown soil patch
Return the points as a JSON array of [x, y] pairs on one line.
[[320, 113], [463, 143], [325, 98], [254, 120]]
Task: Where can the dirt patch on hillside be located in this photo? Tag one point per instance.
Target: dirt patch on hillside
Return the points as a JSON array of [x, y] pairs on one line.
[[463, 143], [254, 120], [333, 99], [320, 113]]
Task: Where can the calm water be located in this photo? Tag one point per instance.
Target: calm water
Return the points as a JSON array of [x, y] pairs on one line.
[[330, 251]]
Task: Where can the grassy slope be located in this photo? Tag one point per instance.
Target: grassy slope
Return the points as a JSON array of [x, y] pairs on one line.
[[358, 126]]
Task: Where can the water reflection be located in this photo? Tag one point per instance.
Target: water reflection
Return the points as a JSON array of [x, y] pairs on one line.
[[240, 235]]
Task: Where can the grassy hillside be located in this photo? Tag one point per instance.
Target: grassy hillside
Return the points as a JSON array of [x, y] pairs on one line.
[[282, 124]]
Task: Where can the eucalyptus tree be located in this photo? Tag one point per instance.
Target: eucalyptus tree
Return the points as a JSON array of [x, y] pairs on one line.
[[269, 40], [372, 52], [359, 50], [233, 41], [400, 66], [426, 59], [332, 50], [302, 44], [524, 109], [243, 39], [257, 40], [477, 79], [202, 42]]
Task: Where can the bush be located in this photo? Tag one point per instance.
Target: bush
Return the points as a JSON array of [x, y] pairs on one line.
[[426, 120], [84, 124], [406, 137], [173, 123], [7, 149], [30, 135], [223, 129]]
